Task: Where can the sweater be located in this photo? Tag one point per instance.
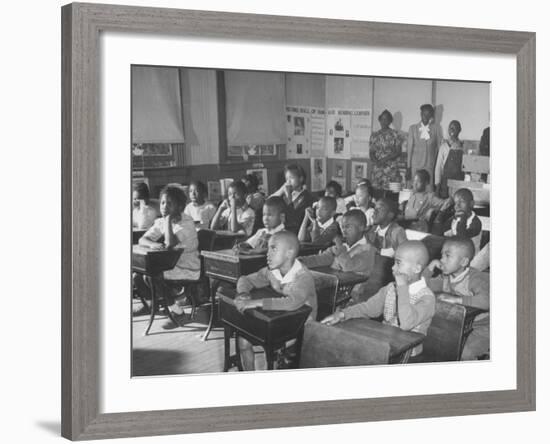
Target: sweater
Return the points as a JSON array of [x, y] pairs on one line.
[[297, 287], [358, 258], [415, 308]]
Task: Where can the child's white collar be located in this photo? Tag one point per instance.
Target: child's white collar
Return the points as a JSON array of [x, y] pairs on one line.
[[291, 275]]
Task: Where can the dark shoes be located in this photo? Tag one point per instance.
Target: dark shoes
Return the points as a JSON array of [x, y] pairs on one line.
[[140, 310], [170, 325]]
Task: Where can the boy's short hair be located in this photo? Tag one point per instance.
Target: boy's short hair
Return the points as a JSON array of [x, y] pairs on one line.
[[201, 187], [357, 215], [391, 205], [329, 201], [253, 180], [335, 186], [427, 107], [277, 203], [465, 245], [142, 189], [424, 176], [289, 238], [419, 248], [175, 193], [296, 169], [238, 186], [465, 193]]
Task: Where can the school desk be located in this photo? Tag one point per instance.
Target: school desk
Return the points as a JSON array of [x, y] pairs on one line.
[[152, 263], [448, 332], [136, 235], [226, 239], [270, 329], [360, 341], [227, 266], [346, 280]]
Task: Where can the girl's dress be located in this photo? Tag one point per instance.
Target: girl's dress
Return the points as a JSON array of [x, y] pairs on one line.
[[188, 266], [201, 214]]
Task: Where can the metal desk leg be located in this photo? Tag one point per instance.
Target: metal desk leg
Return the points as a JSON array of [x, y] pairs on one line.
[[151, 283], [226, 347], [214, 284]]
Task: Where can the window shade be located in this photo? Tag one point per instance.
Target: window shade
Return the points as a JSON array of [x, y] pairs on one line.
[[255, 108], [156, 105]]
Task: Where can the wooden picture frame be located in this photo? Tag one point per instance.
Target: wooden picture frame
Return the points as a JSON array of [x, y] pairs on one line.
[[81, 26]]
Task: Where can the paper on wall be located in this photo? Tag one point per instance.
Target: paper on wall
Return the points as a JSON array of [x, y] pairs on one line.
[[338, 133], [361, 127], [318, 173]]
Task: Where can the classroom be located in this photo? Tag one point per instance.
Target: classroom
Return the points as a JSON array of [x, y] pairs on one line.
[[296, 220]]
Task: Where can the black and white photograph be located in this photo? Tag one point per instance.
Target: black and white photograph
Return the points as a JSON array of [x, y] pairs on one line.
[[384, 265]]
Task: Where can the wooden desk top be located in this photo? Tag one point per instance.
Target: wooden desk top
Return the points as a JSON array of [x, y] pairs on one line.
[[152, 262], [229, 255], [231, 234], [344, 277], [228, 295], [399, 340]]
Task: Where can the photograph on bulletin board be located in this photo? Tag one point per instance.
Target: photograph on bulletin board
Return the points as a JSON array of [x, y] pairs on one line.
[[363, 170], [318, 173]]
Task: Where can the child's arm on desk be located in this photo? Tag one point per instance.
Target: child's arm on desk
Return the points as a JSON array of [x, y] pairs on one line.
[[151, 237], [295, 295], [245, 284], [372, 308], [478, 286], [323, 259], [411, 315]]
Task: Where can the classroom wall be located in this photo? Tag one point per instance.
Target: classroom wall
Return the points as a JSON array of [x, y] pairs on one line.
[[466, 102], [305, 90], [403, 98]]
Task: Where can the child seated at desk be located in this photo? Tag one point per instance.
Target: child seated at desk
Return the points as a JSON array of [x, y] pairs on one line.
[[464, 223], [334, 189], [350, 253], [274, 221], [233, 213], [143, 214], [254, 198], [177, 230], [422, 203], [296, 196], [284, 274], [319, 226], [200, 210], [386, 234], [407, 303], [460, 283], [363, 202]]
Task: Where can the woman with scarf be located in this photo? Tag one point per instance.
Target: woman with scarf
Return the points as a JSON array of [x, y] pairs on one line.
[[423, 142]]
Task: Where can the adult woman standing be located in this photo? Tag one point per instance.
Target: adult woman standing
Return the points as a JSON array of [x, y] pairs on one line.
[[385, 150], [423, 142]]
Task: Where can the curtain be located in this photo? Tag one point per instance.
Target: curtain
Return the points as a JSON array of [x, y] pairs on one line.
[[156, 105], [255, 108]]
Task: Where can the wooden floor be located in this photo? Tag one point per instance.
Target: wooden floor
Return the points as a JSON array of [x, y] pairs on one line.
[[182, 350], [178, 351]]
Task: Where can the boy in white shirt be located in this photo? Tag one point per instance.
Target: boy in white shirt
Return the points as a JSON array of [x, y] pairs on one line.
[[274, 221]]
